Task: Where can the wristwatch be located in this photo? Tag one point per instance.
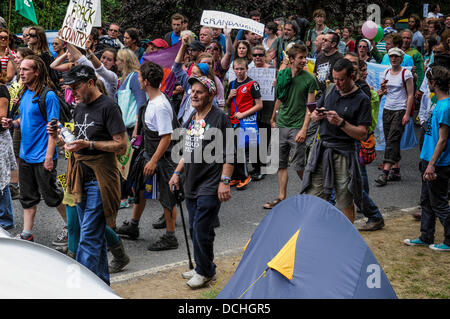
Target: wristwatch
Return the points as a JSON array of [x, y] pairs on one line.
[[91, 145], [225, 179], [342, 124]]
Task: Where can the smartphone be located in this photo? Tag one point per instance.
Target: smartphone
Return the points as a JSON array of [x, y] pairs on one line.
[[322, 110], [311, 106]]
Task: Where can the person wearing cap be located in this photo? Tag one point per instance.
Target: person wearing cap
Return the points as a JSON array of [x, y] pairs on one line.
[[206, 179], [154, 46], [38, 154], [93, 177], [398, 86], [194, 49]]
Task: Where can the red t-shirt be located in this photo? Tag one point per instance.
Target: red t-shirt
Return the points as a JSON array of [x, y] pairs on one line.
[[247, 92]]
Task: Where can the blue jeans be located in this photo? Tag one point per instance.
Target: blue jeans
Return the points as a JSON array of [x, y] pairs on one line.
[[203, 210], [92, 247], [370, 210], [73, 225], [6, 211]]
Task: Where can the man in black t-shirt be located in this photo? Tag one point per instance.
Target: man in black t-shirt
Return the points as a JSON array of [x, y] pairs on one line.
[[344, 116], [326, 59], [92, 173], [207, 176]]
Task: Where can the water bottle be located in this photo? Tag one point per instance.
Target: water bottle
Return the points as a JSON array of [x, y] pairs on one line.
[[66, 135]]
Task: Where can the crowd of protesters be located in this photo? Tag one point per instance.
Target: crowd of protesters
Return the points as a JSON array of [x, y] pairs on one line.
[[117, 101]]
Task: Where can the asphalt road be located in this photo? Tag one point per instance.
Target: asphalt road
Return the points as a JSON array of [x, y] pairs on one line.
[[239, 217]]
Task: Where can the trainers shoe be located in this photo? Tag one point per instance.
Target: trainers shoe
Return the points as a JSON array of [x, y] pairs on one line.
[[198, 281], [381, 180], [243, 184], [372, 225], [188, 274], [164, 243], [440, 247], [129, 229], [62, 238], [15, 191], [257, 177], [124, 204], [392, 177], [234, 182], [20, 236], [161, 223], [415, 242]]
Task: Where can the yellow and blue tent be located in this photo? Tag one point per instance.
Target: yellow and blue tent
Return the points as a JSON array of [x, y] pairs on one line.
[[306, 248]]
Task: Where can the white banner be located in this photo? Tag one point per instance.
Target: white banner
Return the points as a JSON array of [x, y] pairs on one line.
[[265, 78], [218, 19], [81, 15]]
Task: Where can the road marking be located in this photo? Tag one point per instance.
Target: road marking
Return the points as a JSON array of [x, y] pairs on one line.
[[154, 270]]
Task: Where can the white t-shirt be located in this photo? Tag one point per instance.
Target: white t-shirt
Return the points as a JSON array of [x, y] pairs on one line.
[[159, 115], [396, 96], [432, 15]]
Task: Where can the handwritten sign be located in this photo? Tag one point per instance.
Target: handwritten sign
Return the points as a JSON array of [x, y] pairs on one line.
[[218, 19], [81, 15], [265, 78]]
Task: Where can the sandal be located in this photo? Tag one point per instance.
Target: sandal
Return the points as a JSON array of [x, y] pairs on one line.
[[270, 205]]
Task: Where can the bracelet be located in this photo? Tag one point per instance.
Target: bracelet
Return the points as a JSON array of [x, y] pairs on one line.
[[225, 177], [90, 55], [176, 173]]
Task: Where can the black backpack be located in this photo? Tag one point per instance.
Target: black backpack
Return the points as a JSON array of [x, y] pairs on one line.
[[65, 111]]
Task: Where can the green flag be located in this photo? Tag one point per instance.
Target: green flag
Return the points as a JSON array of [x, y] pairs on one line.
[[26, 9]]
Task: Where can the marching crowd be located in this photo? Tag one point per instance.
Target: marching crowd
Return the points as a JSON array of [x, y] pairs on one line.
[[118, 100]]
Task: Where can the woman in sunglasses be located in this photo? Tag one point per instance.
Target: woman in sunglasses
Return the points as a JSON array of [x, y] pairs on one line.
[[221, 61], [7, 56]]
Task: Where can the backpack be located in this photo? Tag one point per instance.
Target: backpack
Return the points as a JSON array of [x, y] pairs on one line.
[[65, 111]]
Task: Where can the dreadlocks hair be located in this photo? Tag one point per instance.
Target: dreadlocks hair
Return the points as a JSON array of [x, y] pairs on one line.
[[43, 79]]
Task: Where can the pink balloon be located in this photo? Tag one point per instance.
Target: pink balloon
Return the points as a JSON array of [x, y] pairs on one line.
[[369, 29]]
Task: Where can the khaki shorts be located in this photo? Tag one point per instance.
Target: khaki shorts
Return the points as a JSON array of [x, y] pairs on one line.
[[344, 198]]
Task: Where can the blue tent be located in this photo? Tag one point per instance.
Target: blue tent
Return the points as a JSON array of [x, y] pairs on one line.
[[306, 248]]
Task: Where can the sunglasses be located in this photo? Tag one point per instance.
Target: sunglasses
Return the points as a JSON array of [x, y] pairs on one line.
[[260, 55], [29, 35], [363, 46], [4, 38], [212, 48]]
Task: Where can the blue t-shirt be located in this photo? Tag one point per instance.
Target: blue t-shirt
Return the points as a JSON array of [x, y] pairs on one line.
[[174, 38], [440, 116], [33, 145]]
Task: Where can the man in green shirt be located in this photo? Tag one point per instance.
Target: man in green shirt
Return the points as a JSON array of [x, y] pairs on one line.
[[407, 36], [295, 87]]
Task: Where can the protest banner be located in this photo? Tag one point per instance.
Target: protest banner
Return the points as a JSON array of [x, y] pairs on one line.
[[81, 15], [265, 78], [218, 19]]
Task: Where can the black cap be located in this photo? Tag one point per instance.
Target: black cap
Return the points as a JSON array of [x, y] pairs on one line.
[[79, 73], [197, 45]]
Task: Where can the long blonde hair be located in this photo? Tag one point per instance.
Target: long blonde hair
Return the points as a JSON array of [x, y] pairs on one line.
[[130, 62]]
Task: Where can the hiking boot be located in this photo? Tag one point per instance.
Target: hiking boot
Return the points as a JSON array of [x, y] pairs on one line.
[[198, 281], [243, 184], [415, 242], [166, 242], [120, 260], [129, 229], [381, 180], [161, 223], [234, 182], [440, 247], [15, 191], [62, 238], [29, 238], [392, 177], [188, 274], [372, 225]]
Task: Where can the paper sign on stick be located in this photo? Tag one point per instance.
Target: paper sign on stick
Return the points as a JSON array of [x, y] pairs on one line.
[[217, 19], [80, 17]]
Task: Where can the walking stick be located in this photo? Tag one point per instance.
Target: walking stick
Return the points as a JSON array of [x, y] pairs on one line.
[[180, 197]]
